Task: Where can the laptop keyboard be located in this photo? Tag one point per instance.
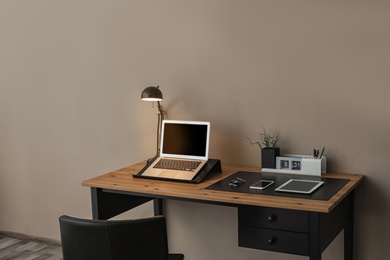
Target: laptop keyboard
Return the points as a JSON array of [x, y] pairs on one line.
[[179, 165]]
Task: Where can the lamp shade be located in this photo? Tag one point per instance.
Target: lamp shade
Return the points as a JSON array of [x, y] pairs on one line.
[[152, 94]]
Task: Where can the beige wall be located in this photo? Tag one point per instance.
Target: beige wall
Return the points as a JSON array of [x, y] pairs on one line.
[[71, 74]]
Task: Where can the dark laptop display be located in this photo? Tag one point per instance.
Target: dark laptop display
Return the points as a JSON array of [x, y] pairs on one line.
[[185, 140]]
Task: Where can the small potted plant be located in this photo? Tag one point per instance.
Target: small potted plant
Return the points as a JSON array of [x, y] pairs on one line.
[[269, 148]]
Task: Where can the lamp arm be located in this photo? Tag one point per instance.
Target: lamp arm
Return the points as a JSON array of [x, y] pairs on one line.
[[161, 110], [161, 116]]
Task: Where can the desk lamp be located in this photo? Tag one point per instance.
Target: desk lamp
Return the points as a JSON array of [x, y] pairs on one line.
[[154, 94]]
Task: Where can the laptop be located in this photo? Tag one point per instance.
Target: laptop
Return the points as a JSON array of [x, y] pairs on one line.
[[184, 150]]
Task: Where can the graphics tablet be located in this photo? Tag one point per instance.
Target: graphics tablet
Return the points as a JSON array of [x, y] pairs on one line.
[[300, 186]]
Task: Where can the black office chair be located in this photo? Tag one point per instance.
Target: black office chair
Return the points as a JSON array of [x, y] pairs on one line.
[[140, 239]]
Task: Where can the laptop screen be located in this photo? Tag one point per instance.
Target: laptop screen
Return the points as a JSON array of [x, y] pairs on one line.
[[185, 139]]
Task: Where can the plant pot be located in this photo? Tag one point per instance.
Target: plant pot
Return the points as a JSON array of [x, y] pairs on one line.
[[268, 157]]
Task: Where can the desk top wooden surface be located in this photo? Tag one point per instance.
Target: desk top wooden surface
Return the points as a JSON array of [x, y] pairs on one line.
[[123, 180]]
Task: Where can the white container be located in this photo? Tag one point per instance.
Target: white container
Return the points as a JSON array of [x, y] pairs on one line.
[[299, 164]]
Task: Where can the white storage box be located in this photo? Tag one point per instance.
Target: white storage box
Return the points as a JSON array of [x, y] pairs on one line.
[[299, 164]]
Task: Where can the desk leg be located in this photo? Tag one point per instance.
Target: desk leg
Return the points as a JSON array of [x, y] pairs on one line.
[[314, 243], [158, 207], [107, 204], [348, 232], [348, 241]]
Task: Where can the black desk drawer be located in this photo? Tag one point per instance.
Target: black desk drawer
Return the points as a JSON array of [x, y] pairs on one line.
[[273, 240], [273, 218]]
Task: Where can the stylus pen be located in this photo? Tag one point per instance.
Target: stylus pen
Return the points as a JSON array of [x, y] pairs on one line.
[[322, 152], [316, 153]]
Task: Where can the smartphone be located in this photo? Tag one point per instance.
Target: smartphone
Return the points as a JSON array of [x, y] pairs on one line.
[[261, 185]]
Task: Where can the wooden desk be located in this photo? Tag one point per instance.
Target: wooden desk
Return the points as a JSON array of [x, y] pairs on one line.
[[264, 221]]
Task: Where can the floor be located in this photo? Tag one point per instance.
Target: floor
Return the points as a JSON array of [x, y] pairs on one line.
[[12, 248]]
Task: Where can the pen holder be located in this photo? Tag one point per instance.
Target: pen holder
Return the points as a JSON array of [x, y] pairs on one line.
[[299, 164]]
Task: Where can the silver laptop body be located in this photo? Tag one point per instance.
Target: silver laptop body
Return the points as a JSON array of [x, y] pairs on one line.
[[184, 141]]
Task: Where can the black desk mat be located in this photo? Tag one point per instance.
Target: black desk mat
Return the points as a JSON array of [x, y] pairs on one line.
[[325, 192]]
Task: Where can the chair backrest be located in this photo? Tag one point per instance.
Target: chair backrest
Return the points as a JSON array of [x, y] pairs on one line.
[[140, 239]]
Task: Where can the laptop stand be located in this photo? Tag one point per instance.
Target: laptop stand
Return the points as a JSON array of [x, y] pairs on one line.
[[211, 166]]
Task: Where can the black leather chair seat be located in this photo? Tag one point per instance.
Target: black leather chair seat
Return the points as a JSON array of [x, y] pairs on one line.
[[140, 239]]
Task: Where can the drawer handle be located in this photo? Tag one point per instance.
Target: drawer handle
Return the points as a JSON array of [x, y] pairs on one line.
[[271, 240], [271, 218]]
